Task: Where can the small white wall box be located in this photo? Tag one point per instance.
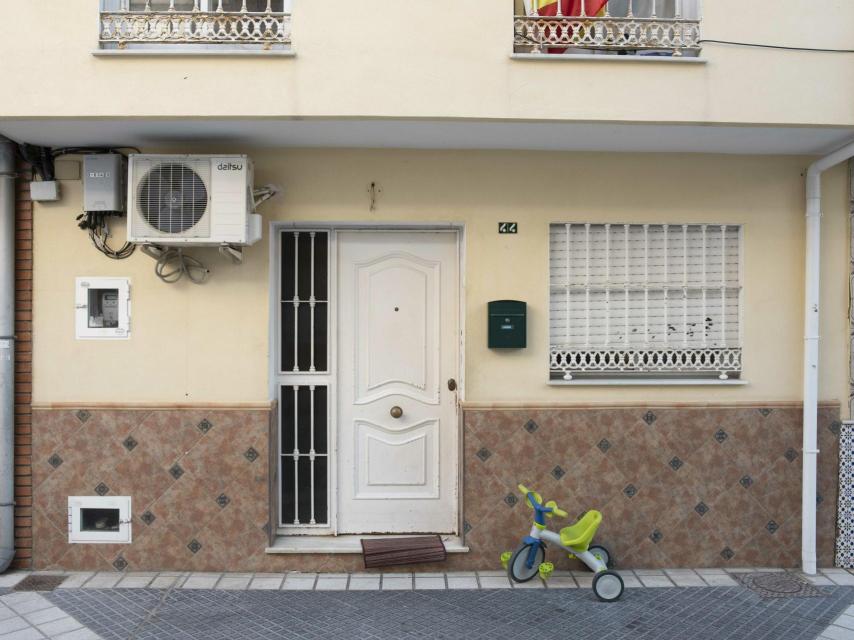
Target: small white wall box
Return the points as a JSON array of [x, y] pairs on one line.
[[44, 190], [99, 519], [102, 308]]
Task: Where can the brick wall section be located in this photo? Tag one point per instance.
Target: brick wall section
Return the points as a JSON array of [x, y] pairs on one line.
[[23, 371]]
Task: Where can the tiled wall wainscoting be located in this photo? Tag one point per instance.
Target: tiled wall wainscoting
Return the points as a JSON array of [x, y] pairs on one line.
[[197, 478], [678, 486], [687, 487]]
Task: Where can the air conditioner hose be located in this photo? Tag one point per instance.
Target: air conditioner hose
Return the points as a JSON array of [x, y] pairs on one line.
[[172, 265]]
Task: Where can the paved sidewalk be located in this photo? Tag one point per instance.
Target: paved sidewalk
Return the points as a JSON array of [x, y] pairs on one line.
[[711, 605]]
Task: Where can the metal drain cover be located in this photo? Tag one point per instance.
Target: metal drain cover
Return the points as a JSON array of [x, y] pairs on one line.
[[39, 583], [780, 585]]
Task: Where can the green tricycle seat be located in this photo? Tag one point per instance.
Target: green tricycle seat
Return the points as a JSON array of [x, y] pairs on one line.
[[579, 535]]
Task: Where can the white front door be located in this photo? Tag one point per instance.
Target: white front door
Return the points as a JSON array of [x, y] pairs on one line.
[[398, 348]]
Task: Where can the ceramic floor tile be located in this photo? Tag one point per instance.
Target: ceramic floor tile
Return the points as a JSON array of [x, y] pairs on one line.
[[267, 583], [391, 583], [536, 583], [76, 580], [201, 581], [163, 582], [462, 582], [331, 583], [494, 582], [103, 581], [561, 582], [44, 615], [9, 580], [300, 583], [27, 633], [430, 582], [719, 580], [364, 583], [234, 583], [134, 582], [654, 581], [56, 627]]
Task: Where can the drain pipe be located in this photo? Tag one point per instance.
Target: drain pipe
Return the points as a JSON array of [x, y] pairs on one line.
[[7, 352], [811, 342]]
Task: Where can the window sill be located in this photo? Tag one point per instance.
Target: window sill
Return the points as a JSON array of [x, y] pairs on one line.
[[647, 382], [589, 57], [285, 544], [175, 53]]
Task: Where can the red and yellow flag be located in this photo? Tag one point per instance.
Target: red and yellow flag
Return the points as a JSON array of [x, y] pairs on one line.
[[570, 7]]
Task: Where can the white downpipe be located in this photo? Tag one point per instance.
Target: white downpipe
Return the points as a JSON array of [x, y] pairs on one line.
[[7, 352], [811, 343]]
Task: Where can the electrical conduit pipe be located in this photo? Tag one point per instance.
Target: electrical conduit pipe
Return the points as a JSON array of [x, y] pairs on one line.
[[811, 342], [7, 352]]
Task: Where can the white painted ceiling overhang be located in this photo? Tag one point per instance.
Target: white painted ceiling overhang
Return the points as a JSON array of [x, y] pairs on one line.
[[428, 134]]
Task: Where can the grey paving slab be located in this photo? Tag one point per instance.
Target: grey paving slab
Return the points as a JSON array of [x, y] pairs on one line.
[[712, 613]]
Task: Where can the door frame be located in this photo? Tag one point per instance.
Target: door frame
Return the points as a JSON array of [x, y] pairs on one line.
[[276, 376]]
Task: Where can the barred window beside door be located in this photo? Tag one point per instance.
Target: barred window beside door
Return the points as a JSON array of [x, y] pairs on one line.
[[645, 300]]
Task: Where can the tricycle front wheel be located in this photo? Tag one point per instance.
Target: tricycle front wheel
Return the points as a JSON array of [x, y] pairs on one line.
[[608, 586], [518, 569]]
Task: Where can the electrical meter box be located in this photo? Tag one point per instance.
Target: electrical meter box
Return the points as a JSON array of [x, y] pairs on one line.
[[507, 324], [104, 183]]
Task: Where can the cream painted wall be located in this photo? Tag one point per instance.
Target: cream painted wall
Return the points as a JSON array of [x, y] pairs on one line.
[[438, 59], [209, 343]]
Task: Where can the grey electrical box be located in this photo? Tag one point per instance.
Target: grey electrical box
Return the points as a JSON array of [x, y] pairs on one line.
[[104, 182]]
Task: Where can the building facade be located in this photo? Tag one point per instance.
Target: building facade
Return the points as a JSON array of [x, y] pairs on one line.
[[631, 172]]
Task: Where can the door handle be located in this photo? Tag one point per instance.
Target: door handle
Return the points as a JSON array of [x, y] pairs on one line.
[[396, 412], [452, 385]]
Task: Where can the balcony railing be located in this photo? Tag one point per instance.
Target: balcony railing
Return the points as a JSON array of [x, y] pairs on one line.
[[640, 27], [199, 22]]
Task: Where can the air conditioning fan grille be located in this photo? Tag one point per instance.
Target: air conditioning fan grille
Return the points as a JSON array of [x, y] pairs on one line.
[[173, 198]]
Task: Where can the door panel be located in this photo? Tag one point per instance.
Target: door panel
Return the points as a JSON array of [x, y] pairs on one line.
[[398, 340]]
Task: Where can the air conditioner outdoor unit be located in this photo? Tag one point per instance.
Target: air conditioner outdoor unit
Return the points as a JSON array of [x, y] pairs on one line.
[[192, 200]]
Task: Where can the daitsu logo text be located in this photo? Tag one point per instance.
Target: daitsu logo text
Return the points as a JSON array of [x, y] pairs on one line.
[[230, 166]]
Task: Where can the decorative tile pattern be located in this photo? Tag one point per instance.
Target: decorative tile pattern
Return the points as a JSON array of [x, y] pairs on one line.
[[649, 417], [484, 454], [466, 526], [721, 436], [835, 427], [222, 500], [148, 517], [129, 443], [83, 415], [727, 554], [845, 508], [791, 455], [251, 454], [194, 546], [656, 536], [101, 489], [558, 473], [604, 445], [531, 426], [746, 482], [676, 464], [176, 471], [772, 527], [54, 461], [765, 412], [120, 563], [204, 426], [702, 509], [510, 500], [630, 490]]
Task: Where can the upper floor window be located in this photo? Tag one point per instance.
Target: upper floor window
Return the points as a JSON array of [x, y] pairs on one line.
[[645, 300], [608, 27], [195, 24]]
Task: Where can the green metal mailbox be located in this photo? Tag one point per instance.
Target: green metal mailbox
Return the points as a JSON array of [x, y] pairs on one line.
[[507, 324]]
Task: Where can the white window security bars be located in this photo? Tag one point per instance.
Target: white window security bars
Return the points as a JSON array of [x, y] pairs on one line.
[[258, 24], [305, 378], [617, 27], [645, 300]]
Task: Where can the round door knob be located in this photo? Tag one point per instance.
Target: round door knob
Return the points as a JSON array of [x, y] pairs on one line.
[[396, 412]]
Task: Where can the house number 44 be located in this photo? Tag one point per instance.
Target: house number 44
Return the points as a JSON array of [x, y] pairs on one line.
[[508, 227]]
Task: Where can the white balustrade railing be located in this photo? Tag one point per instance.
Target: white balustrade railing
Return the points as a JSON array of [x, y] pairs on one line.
[[670, 27], [206, 22]]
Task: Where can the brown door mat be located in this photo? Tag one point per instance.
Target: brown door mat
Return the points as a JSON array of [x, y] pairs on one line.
[[385, 552]]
